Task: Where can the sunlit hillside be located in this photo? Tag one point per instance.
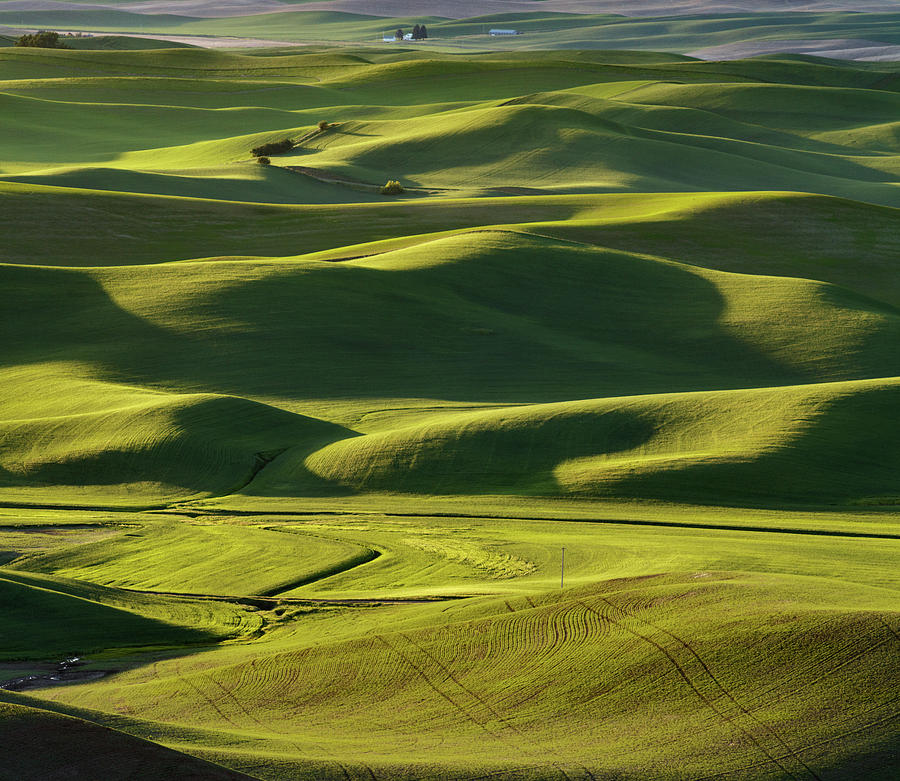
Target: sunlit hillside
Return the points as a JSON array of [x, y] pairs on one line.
[[574, 455]]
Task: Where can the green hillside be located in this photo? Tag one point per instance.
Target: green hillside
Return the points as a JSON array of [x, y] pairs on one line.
[[581, 125], [577, 459], [539, 30], [458, 327]]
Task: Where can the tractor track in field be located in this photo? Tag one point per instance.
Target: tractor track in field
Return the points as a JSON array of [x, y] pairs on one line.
[[829, 671], [461, 708], [504, 720], [681, 641], [832, 739], [692, 685], [229, 695]]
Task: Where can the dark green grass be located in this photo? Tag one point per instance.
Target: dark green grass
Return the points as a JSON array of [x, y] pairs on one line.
[[70, 625], [40, 745]]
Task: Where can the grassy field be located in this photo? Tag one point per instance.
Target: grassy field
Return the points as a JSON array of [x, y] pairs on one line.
[[576, 460], [538, 30]]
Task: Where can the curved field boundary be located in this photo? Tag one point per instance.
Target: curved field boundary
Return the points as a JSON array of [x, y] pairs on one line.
[[363, 557], [188, 513], [624, 522]]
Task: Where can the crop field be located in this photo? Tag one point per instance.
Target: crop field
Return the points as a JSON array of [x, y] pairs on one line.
[[574, 456]]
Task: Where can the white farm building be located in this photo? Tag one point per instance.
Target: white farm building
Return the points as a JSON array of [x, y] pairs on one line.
[[504, 32]]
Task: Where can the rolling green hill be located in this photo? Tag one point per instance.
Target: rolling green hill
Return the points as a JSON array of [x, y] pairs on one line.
[[457, 328], [544, 29], [578, 459], [830, 130]]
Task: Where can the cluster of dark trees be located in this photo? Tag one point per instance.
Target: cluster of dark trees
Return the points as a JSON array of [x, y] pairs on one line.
[[419, 33], [273, 148], [42, 39]]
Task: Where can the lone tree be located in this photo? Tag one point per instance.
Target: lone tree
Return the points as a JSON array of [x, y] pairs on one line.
[[417, 33], [42, 39], [323, 125], [423, 32], [399, 34]]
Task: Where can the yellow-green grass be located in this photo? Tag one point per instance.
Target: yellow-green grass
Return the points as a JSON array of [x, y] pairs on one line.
[[812, 635], [426, 554], [759, 653], [18, 539], [446, 322], [121, 43], [702, 671], [847, 243], [351, 417], [468, 125], [736, 446], [91, 435], [200, 558]]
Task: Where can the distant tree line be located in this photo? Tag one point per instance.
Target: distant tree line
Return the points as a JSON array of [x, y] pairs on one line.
[[42, 39], [419, 33]]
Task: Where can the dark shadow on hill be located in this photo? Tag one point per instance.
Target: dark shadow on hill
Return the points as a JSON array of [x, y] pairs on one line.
[[501, 317], [180, 443], [42, 745], [848, 454], [492, 316], [41, 623], [834, 240], [517, 458]]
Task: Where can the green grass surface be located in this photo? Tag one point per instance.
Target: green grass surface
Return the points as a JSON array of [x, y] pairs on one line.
[[81, 618], [293, 464], [582, 125]]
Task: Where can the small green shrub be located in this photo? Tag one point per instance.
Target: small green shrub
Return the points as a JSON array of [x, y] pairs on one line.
[[263, 161], [273, 148], [323, 125], [392, 188]]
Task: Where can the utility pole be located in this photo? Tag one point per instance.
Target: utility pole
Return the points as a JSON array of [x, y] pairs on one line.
[[562, 569]]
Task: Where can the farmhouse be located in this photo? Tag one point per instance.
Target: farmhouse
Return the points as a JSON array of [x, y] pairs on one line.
[[504, 32]]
